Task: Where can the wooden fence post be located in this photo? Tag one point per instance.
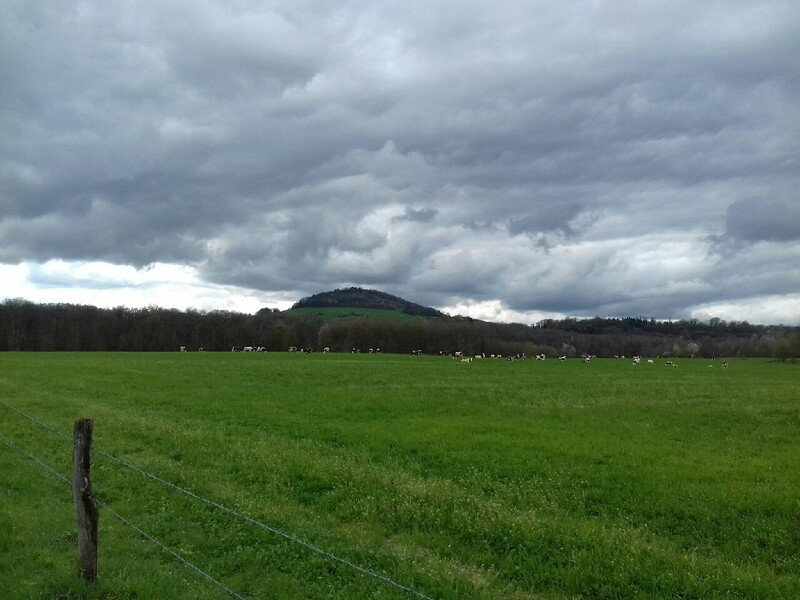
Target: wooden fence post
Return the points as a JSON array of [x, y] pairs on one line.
[[85, 509]]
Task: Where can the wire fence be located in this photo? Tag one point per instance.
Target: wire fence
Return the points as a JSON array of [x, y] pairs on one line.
[[122, 519], [230, 511]]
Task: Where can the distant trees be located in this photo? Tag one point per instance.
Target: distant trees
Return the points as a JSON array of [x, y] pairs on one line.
[[787, 348], [365, 298], [25, 326]]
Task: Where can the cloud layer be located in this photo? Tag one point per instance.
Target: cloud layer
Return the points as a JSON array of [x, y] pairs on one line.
[[594, 159]]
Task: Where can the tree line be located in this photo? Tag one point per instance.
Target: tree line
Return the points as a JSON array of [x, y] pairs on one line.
[[26, 326]]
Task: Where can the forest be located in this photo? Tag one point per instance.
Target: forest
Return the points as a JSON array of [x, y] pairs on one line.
[[27, 326]]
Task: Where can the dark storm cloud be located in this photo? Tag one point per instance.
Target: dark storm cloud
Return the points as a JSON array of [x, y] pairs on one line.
[[417, 215], [584, 160], [763, 219]]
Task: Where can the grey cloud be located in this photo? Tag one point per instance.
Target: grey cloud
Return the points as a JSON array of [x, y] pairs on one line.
[[763, 219], [417, 215], [546, 218], [483, 152]]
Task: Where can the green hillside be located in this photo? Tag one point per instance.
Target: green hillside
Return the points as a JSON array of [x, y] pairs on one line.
[[359, 300], [349, 312]]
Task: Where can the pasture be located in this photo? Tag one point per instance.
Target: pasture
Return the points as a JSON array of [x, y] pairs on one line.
[[337, 313], [492, 479]]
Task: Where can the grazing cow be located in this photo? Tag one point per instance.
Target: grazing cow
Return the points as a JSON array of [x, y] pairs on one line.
[[248, 349], [587, 359], [562, 358], [236, 349], [183, 348], [416, 353], [637, 360], [201, 349], [650, 361], [725, 365], [326, 349]]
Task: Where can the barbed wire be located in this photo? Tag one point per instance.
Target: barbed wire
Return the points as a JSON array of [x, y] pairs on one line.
[[32, 457], [35, 420], [141, 532], [235, 513]]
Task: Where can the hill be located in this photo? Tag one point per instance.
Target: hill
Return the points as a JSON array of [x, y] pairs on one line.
[[360, 298]]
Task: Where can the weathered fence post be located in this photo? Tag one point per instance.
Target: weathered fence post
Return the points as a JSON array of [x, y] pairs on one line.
[[85, 509]]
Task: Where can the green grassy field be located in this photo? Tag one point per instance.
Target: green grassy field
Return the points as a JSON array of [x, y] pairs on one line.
[[493, 479], [336, 313]]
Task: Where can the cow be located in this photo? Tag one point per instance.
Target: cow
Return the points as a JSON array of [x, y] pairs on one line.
[[183, 348], [725, 365], [326, 349]]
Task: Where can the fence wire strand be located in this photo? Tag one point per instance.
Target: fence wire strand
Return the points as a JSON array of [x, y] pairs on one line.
[[235, 513], [125, 521]]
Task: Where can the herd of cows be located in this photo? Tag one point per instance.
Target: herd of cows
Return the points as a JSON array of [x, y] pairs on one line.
[[586, 358]]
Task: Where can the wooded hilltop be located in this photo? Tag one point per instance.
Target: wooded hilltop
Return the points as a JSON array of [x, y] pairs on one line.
[[26, 326]]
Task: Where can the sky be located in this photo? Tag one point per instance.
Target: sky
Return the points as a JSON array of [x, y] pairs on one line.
[[508, 160]]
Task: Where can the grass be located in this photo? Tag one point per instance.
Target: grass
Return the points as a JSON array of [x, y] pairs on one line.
[[492, 479], [336, 313]]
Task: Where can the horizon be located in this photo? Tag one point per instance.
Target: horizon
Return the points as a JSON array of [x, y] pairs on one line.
[[188, 309]]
